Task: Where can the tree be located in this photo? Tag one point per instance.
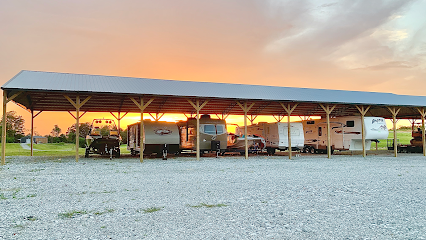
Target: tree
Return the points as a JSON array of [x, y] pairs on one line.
[[14, 126], [56, 131], [123, 134], [83, 131]]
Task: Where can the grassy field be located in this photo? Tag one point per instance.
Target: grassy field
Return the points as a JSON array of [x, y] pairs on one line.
[[49, 149], [68, 149], [403, 137]]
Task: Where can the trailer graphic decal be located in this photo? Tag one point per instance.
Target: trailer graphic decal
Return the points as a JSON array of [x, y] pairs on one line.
[[162, 131]]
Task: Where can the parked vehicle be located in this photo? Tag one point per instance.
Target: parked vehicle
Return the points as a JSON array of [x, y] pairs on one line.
[[160, 137], [236, 143], [213, 134], [416, 143], [346, 133], [103, 138], [276, 135]]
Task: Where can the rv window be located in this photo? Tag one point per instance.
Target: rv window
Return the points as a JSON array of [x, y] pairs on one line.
[[319, 131], [350, 123], [220, 129], [310, 122], [209, 129]]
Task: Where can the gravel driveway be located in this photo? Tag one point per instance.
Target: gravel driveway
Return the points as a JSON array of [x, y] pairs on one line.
[[310, 197]]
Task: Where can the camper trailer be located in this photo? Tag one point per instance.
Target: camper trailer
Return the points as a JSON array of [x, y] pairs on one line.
[[213, 134], [346, 133], [276, 135], [160, 137]]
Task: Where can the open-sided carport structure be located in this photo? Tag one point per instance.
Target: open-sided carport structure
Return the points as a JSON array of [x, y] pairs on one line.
[[50, 91]]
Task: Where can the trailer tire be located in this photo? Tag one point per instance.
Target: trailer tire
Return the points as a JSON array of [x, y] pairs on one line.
[[312, 150]]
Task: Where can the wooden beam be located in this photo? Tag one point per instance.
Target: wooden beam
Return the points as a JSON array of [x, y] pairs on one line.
[[77, 104], [3, 135], [245, 109], [363, 111], [13, 97], [394, 111], [4, 132], [328, 110], [289, 110], [32, 130], [423, 115], [141, 107], [198, 107]]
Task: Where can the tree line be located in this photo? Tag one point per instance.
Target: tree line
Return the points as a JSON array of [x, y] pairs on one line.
[[15, 130]]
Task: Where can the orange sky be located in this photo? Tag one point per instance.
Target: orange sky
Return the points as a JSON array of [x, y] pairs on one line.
[[349, 45]]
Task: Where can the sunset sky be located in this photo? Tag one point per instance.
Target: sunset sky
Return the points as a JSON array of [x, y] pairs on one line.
[[347, 44]]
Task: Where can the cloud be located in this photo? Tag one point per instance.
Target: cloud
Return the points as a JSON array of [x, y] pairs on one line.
[[388, 65]]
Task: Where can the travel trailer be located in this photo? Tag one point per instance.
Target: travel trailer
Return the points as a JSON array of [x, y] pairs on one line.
[[160, 137], [276, 135], [346, 133], [213, 134]]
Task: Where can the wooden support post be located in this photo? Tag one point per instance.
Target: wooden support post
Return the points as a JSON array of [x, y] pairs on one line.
[[142, 107], [3, 136], [289, 110], [32, 129], [32, 132], [363, 111], [118, 118], [394, 112], [77, 127], [423, 114], [77, 104], [328, 110], [245, 109], [198, 107]]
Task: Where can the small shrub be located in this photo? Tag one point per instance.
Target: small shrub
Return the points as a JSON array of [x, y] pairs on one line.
[[72, 214], [152, 209], [208, 205], [106, 211]]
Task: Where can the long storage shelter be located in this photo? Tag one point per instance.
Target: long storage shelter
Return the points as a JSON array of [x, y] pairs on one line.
[[51, 91]]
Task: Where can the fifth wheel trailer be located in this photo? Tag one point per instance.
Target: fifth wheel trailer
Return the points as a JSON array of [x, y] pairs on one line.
[[346, 133]]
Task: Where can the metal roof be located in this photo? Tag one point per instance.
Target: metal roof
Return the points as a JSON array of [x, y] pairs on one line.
[[45, 90]]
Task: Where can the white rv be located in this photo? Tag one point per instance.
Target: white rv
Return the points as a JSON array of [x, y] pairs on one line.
[[276, 135], [346, 133]]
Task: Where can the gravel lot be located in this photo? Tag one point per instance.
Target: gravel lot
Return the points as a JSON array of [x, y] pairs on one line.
[[310, 197]]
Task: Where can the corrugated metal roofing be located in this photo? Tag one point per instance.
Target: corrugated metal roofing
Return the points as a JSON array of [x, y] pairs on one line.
[[52, 81]]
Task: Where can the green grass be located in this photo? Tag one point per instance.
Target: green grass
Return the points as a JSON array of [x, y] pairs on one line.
[[71, 214], [151, 209], [106, 211], [208, 205], [404, 137], [49, 149]]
